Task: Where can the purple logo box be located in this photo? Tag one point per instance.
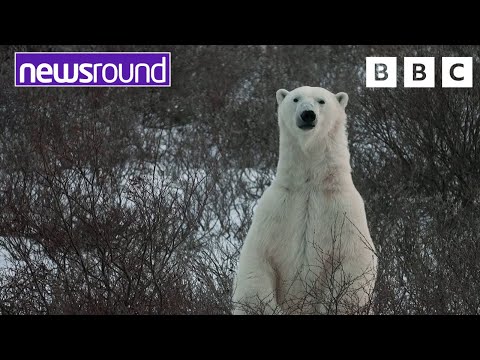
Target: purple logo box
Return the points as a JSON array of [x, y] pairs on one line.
[[84, 69]]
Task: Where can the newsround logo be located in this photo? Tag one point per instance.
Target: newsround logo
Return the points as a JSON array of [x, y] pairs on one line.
[[92, 69]]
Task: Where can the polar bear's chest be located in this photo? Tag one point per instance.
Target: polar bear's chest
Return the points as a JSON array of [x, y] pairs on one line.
[[303, 232]]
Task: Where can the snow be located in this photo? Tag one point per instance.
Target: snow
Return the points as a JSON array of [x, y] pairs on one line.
[[34, 251], [3, 258], [157, 176]]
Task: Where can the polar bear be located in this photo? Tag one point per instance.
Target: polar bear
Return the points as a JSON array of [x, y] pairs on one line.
[[308, 250]]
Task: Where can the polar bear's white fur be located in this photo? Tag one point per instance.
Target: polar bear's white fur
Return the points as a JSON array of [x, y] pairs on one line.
[[308, 249]]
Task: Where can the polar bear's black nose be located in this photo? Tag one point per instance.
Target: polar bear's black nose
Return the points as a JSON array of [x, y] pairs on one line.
[[308, 116]]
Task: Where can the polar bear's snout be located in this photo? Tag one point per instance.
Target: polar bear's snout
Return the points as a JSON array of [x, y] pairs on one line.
[[306, 114], [306, 120]]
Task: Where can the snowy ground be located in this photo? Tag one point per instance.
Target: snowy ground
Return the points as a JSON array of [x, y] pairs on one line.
[[236, 214], [158, 175], [3, 259]]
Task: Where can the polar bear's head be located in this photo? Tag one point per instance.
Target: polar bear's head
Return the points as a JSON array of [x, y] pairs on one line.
[[308, 111]]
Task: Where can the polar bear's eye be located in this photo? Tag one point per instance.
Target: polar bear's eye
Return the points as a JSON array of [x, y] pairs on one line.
[[295, 100], [321, 102]]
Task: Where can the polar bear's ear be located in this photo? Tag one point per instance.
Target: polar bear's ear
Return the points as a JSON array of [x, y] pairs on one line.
[[342, 99], [281, 95]]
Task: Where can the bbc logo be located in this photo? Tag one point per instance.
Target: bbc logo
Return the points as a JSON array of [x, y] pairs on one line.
[[419, 72]]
